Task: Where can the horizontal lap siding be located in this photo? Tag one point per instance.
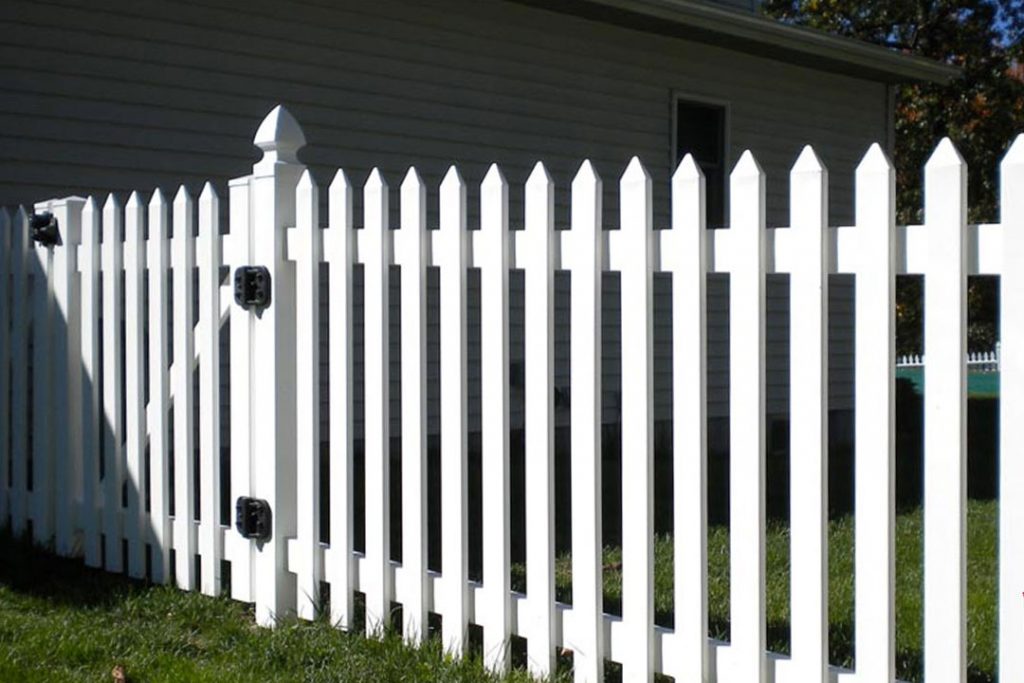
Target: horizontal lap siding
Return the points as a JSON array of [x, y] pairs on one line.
[[144, 94]]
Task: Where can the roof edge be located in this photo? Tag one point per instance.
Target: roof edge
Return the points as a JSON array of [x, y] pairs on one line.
[[759, 35]]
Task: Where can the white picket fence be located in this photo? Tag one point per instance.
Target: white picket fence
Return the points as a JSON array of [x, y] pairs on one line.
[[977, 361], [55, 297]]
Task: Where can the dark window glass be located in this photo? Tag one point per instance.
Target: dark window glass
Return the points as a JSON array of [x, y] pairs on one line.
[[700, 131]]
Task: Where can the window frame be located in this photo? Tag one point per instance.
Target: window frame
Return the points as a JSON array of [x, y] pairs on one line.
[[698, 98]]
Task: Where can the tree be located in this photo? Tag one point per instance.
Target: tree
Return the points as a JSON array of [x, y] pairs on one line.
[[981, 111]]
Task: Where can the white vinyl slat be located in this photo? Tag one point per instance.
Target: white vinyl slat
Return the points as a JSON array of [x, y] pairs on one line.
[[874, 417], [112, 425], [89, 269], [309, 568], [377, 386], [6, 317], [238, 550], [339, 248], [135, 521], [20, 323], [452, 244], [1011, 407], [411, 254], [538, 265], [42, 424], [747, 286], [684, 255], [183, 267], [495, 611], [632, 254], [158, 264], [945, 418], [211, 545], [809, 418], [583, 257]]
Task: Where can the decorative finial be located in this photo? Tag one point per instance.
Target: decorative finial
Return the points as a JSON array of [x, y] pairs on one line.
[[280, 137]]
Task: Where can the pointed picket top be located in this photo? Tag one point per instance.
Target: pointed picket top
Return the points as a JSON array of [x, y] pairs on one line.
[[452, 179], [539, 175], [280, 137], [875, 160], [494, 178], [208, 195], [306, 181], [340, 182], [89, 213], [1014, 156], [808, 162], [414, 190], [635, 173], [747, 166], [944, 156], [688, 169], [158, 199], [586, 175], [111, 204], [133, 210], [182, 195], [635, 198], [375, 181]]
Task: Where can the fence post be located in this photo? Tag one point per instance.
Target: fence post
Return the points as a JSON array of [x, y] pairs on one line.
[[272, 359], [1010, 352], [67, 385]]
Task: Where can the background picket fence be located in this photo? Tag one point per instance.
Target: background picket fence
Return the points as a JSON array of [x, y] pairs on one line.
[[102, 417], [977, 361]]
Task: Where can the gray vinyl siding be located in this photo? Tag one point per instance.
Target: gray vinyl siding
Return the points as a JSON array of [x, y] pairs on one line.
[[135, 95]]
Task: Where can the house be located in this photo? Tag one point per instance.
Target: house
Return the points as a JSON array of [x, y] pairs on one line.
[[109, 97]]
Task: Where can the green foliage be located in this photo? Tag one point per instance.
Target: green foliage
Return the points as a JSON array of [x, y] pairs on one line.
[[981, 111]]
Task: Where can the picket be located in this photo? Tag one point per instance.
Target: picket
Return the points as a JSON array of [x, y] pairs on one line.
[[494, 610], [20, 322], [377, 385], [746, 256], [239, 551], [1011, 407], [808, 353], [537, 258], [631, 253], [945, 418], [583, 258], [339, 249], [183, 265], [684, 255], [41, 342], [411, 253], [79, 474], [208, 256], [89, 269], [308, 569], [134, 369], [874, 419], [6, 318], [158, 263], [451, 245]]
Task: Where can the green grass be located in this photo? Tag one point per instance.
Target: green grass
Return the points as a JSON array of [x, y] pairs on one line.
[[61, 622]]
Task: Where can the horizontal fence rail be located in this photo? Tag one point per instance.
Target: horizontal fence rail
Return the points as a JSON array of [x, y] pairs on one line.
[[164, 381]]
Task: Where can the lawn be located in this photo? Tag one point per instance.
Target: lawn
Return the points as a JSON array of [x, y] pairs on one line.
[[61, 622]]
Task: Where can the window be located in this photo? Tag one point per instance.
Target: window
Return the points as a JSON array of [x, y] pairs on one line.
[[700, 131]]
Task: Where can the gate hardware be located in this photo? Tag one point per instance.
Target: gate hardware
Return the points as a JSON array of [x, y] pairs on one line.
[[252, 518], [252, 287], [43, 229]]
